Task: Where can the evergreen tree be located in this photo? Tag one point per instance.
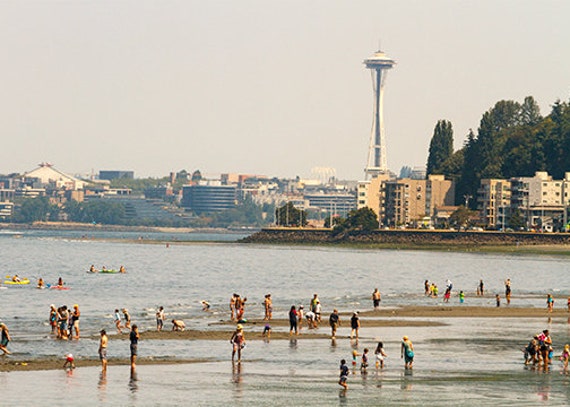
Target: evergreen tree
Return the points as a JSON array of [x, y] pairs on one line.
[[440, 148]]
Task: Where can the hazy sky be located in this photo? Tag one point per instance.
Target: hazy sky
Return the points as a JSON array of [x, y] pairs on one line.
[[260, 86]]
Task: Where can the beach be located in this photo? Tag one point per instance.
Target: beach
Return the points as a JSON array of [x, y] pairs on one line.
[[458, 346], [405, 317]]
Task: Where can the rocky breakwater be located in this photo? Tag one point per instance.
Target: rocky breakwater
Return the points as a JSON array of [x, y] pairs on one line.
[[407, 237]]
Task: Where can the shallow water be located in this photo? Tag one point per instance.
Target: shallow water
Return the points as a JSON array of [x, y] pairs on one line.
[[467, 361]]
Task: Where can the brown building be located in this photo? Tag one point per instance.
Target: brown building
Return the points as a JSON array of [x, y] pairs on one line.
[[413, 202]]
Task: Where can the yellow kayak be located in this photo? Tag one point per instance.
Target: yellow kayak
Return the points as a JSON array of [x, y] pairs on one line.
[[23, 281]]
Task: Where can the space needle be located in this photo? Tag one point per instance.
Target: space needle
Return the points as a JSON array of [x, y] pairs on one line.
[[378, 64]]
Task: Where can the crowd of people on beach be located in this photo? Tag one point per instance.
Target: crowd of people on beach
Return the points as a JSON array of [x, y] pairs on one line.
[[64, 322], [539, 352]]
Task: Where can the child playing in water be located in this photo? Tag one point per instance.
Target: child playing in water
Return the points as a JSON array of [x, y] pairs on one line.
[[565, 357], [498, 299], [343, 374], [267, 331], [69, 361], [380, 355], [461, 297], [355, 354], [364, 363]]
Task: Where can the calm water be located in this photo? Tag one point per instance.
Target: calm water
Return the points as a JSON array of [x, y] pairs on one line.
[[466, 362]]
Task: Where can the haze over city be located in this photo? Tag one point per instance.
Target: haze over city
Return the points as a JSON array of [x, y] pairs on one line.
[[261, 87]]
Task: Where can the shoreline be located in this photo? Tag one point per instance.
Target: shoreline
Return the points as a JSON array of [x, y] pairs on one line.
[[419, 239]]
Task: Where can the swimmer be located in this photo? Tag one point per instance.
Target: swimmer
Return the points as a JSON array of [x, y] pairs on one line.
[[41, 283], [92, 269], [205, 305], [122, 269]]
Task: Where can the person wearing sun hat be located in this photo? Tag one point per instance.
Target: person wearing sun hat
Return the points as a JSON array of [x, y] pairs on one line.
[[238, 342], [407, 352]]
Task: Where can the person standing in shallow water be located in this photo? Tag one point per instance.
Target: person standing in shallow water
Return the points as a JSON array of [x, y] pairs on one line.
[[4, 338], [481, 288], [134, 338], [334, 322], [508, 290], [376, 298], [354, 325], [550, 303], [238, 342], [407, 352], [293, 321], [103, 350]]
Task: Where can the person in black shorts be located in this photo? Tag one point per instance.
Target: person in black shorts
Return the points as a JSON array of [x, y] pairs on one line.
[[134, 338]]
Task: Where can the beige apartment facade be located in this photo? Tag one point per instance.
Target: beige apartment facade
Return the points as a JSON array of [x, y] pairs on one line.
[[413, 202]]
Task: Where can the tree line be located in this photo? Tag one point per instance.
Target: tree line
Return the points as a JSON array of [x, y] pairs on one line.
[[513, 140]]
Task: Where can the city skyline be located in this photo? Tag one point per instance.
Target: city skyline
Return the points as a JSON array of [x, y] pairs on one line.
[[261, 88]]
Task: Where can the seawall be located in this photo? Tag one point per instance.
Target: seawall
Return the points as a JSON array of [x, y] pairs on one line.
[[407, 237]]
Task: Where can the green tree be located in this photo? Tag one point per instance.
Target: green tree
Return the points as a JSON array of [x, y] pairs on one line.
[[100, 211], [288, 215], [516, 220], [33, 210], [441, 147], [461, 217], [358, 220]]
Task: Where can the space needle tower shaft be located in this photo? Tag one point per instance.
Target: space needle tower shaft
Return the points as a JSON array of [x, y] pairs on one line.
[[378, 64]]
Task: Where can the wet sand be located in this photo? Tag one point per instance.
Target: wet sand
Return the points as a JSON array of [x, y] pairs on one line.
[[7, 365], [389, 317]]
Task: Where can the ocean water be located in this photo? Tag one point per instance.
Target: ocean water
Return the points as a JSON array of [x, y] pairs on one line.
[[468, 361]]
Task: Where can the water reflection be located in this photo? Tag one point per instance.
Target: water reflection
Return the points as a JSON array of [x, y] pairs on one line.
[[102, 386], [333, 344], [406, 383], [237, 379], [133, 381], [293, 343]]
